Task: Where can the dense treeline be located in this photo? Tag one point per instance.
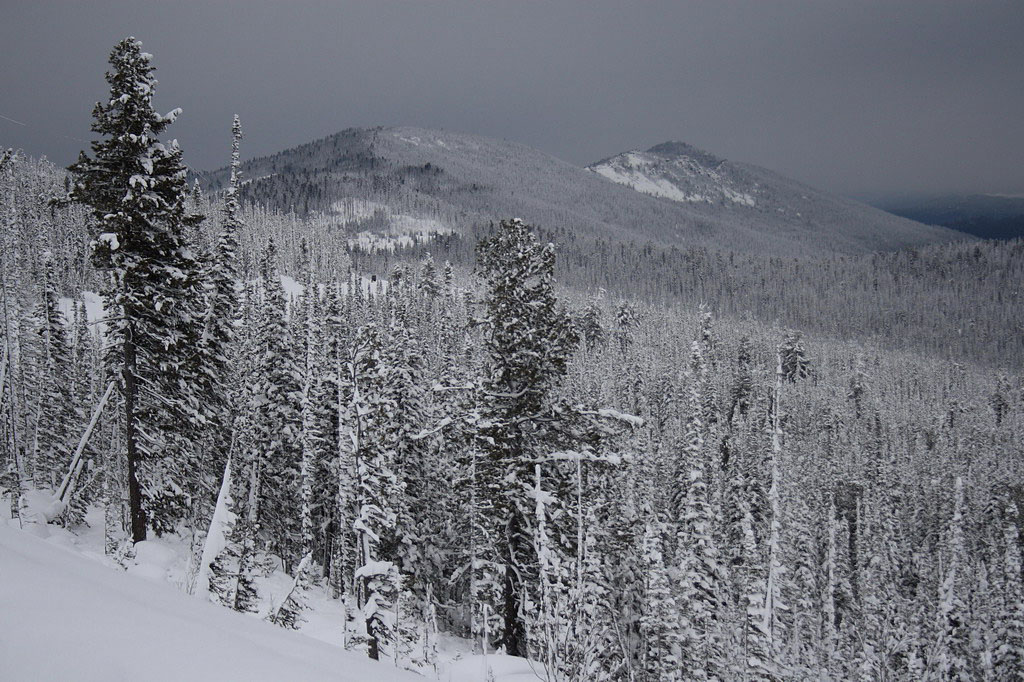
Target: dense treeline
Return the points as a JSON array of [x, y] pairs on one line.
[[622, 491], [959, 301], [953, 301]]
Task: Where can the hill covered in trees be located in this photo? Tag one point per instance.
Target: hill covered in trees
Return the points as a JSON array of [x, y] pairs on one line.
[[462, 180]]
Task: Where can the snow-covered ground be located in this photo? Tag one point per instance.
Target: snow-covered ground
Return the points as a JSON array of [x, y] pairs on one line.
[[67, 612], [67, 616]]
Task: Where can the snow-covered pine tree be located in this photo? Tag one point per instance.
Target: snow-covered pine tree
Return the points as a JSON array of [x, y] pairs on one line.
[[56, 413], [275, 407], [428, 282], [755, 642], [211, 576], [449, 277], [627, 319], [951, 656], [529, 339], [377, 487], [659, 624], [1008, 659], [234, 570], [221, 320], [700, 573], [288, 613], [771, 610], [592, 635], [137, 190], [339, 449], [829, 587], [795, 364], [311, 436]]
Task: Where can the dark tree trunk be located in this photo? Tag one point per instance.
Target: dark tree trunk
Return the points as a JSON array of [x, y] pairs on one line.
[[138, 515], [514, 638], [373, 645]]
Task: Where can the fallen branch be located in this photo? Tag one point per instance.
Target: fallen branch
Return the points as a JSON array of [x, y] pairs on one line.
[[66, 487]]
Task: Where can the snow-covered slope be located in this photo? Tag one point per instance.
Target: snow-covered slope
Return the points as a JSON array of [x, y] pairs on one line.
[[796, 216], [416, 179], [679, 172], [66, 617]]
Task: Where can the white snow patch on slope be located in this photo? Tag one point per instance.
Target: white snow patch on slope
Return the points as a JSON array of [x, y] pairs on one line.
[[402, 229], [93, 306], [66, 617], [370, 286], [661, 178], [93, 310], [738, 197], [247, 181], [417, 141], [636, 179]]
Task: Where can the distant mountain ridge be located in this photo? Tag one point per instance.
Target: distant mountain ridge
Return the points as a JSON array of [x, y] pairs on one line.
[[460, 180]]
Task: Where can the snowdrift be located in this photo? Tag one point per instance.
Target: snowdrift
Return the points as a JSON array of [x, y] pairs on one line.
[[65, 617]]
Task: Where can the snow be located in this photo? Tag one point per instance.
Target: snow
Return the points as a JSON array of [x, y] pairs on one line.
[[109, 238], [403, 230], [41, 507], [153, 561], [654, 176], [247, 181], [216, 537], [371, 287], [636, 179], [630, 419], [69, 617], [292, 288], [58, 592], [93, 306], [503, 669], [371, 568]]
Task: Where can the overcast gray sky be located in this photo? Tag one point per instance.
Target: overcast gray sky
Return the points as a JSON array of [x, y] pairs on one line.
[[853, 96]]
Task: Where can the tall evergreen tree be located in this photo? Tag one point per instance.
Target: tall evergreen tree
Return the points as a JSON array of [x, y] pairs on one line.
[[219, 330], [136, 187], [529, 339], [57, 414], [951, 659], [275, 407]]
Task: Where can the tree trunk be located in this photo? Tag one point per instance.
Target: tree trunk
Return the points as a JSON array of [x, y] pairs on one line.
[[372, 645], [514, 638], [138, 515]]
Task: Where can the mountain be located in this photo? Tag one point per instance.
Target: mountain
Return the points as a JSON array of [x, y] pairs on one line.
[[743, 194], [989, 216], [455, 181]]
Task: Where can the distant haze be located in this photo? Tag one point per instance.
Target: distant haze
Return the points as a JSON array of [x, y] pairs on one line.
[[854, 97]]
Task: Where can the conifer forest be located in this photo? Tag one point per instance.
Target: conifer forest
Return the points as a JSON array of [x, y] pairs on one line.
[[612, 457]]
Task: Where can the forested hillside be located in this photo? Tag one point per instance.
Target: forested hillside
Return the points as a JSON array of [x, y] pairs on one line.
[[594, 471], [461, 180]]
